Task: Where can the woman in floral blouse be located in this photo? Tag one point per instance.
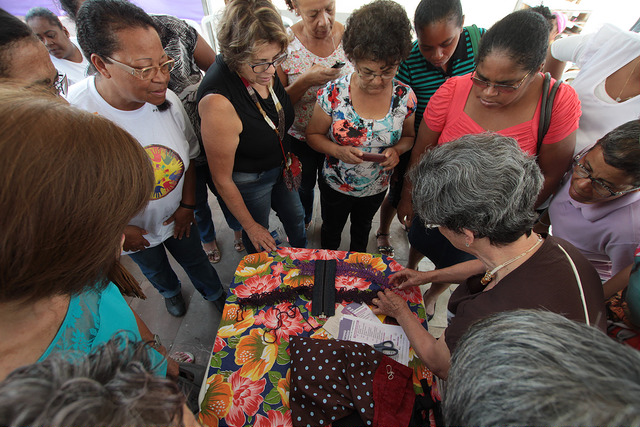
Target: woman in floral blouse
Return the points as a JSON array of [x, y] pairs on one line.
[[364, 114]]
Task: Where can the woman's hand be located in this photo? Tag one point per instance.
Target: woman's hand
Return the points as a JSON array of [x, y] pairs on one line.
[[390, 304], [318, 75], [183, 218], [347, 154], [260, 237], [407, 278], [392, 158], [133, 240]]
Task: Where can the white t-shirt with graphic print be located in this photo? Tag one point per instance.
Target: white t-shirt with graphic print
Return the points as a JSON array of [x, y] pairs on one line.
[[168, 139]]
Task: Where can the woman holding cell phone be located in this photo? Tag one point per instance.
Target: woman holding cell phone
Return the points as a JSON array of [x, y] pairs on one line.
[[368, 116], [315, 57]]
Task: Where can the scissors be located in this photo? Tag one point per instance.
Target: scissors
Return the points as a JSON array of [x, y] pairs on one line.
[[386, 348]]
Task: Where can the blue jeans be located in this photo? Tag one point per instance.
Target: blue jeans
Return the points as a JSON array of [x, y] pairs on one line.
[[262, 191], [189, 253], [203, 211]]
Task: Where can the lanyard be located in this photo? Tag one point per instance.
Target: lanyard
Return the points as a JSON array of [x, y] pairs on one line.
[[280, 129]]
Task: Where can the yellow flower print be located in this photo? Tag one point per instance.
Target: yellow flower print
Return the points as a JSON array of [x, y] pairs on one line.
[[255, 356], [229, 324], [217, 401], [283, 388], [294, 279], [254, 264], [373, 261]]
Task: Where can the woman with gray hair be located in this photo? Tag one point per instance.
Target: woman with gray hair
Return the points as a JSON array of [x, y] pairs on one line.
[[536, 368], [479, 190], [113, 385]]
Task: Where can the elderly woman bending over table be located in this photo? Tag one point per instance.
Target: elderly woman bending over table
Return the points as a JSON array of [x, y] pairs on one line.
[[479, 190]]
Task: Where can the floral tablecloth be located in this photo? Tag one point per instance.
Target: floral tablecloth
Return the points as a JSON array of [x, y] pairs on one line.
[[247, 382]]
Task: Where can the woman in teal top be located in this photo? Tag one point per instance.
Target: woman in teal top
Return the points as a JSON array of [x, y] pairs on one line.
[[70, 182]]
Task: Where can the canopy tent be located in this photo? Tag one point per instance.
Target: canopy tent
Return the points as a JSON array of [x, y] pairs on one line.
[[185, 9]]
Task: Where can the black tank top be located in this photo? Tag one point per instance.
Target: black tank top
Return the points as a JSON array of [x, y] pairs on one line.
[[259, 148]]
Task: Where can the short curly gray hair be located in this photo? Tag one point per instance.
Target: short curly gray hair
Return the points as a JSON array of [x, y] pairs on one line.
[[114, 385], [483, 182]]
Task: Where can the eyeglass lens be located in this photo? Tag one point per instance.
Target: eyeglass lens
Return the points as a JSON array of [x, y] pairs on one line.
[[264, 66]]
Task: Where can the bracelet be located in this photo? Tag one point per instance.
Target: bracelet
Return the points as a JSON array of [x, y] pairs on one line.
[[186, 206]]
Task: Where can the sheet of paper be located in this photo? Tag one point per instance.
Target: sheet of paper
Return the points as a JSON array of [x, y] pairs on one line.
[[332, 325], [362, 310], [365, 331]]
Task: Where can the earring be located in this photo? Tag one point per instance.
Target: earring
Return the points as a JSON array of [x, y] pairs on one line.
[[467, 244]]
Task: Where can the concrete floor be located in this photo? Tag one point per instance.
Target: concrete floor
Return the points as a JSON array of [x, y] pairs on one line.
[[196, 331]]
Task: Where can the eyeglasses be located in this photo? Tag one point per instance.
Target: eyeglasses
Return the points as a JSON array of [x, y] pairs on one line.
[[483, 84], [368, 76], [146, 73], [598, 186], [61, 84], [264, 66]]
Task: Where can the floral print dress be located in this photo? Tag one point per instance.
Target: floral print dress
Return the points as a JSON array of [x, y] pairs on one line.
[[369, 135]]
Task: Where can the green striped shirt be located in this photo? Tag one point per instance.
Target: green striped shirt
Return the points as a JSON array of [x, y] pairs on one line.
[[425, 79]]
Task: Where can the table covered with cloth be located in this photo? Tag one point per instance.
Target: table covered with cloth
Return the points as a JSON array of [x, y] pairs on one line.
[[248, 378]]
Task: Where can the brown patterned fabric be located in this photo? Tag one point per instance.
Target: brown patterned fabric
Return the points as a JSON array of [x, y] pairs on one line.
[[332, 380]]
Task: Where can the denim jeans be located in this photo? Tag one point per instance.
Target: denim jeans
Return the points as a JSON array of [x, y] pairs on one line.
[[336, 207], [311, 170], [189, 253], [262, 191], [203, 211]]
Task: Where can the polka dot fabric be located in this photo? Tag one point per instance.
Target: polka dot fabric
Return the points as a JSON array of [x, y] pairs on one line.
[[331, 380]]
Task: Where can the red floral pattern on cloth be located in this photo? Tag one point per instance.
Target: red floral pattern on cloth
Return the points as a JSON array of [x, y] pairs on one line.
[[249, 370]]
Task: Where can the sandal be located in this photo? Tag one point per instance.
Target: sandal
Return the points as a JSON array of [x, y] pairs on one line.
[[385, 249], [214, 256], [238, 245], [183, 357]]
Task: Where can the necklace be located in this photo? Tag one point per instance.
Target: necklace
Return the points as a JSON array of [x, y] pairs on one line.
[[490, 275], [618, 99]]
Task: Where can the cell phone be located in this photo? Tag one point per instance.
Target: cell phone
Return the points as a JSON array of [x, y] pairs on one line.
[[338, 64], [373, 157]]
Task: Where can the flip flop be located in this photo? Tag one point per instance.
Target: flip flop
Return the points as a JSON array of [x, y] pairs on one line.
[[214, 256], [385, 249], [183, 357], [238, 245]]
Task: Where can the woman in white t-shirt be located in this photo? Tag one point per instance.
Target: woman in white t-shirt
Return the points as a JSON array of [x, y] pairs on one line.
[[130, 89], [608, 83], [65, 55]]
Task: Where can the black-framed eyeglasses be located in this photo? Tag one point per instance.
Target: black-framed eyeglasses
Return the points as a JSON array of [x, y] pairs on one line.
[[369, 76], [146, 73], [264, 66], [483, 84], [598, 186], [61, 84]]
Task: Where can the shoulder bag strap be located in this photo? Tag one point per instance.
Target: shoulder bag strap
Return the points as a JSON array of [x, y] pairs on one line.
[[546, 107], [577, 275], [474, 37]]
